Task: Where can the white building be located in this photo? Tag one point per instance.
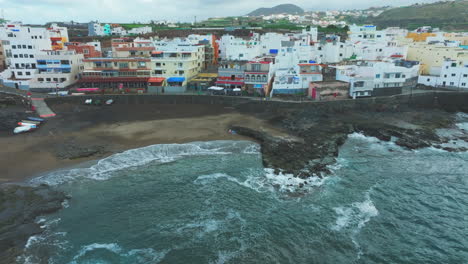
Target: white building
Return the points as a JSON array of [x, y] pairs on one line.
[[368, 78], [365, 33], [57, 70], [140, 30], [451, 75], [22, 44], [232, 48]]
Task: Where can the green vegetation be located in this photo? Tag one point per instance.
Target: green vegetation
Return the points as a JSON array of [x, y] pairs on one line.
[[282, 24], [447, 15], [332, 29]]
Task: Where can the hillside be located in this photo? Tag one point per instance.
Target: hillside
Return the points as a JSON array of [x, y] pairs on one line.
[[451, 15], [279, 9]]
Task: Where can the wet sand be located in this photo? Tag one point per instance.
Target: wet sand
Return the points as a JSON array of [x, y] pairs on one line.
[[103, 131]]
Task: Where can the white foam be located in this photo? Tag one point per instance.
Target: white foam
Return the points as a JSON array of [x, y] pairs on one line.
[[463, 126], [162, 153], [358, 214], [110, 247], [363, 137]]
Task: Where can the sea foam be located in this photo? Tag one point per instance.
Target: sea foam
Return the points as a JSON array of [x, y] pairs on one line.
[[162, 153]]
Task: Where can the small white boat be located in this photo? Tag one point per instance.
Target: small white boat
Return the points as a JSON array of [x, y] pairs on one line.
[[27, 124], [22, 129], [88, 101], [109, 102]]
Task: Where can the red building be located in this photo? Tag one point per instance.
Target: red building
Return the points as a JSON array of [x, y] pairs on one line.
[[89, 51]]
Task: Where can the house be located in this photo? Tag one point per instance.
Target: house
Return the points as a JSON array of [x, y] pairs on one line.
[[452, 74], [369, 78], [258, 75], [231, 74], [89, 50]]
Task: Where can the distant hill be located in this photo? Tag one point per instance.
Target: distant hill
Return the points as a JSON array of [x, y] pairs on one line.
[[279, 9], [451, 15]]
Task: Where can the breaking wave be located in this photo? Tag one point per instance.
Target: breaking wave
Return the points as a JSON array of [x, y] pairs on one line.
[[161, 153]]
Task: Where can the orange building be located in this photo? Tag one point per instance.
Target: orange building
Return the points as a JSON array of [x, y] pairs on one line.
[[419, 37]]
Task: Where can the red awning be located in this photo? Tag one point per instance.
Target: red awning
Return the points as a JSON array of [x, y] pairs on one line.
[[156, 52], [156, 79], [227, 82], [113, 79]]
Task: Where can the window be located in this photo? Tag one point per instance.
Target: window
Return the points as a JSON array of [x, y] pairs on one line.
[[24, 46], [397, 75], [31, 56], [28, 73], [359, 84], [15, 56], [387, 76], [452, 83], [20, 73], [445, 76], [428, 80], [465, 75], [13, 46], [29, 47], [377, 76], [21, 55], [453, 74], [463, 84], [48, 79], [40, 79], [65, 62]]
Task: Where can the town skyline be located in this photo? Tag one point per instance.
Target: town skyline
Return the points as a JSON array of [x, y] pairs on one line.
[[119, 11]]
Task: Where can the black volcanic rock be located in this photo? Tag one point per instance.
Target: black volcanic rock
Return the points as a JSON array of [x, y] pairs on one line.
[[19, 207], [279, 9]]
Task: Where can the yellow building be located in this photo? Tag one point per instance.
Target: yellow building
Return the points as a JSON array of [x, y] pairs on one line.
[[419, 37], [463, 38], [433, 55]]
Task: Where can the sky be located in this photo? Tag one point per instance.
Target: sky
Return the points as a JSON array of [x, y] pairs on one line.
[[121, 11]]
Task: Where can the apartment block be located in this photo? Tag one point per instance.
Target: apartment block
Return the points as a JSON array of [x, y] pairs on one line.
[[21, 45], [177, 63], [116, 74], [57, 69]]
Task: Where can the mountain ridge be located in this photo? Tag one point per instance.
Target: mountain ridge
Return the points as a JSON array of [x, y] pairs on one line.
[[279, 9]]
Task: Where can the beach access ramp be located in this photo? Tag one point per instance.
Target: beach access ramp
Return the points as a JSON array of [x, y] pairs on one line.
[[41, 107]]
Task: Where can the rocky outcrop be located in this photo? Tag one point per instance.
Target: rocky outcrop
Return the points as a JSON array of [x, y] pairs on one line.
[[321, 134], [19, 207]]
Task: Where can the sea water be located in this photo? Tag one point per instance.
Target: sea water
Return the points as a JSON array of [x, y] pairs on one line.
[[213, 202]]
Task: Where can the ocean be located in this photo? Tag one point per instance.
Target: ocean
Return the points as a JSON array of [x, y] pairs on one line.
[[214, 202]]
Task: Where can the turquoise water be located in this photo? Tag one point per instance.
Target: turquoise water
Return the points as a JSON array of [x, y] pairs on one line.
[[213, 202]]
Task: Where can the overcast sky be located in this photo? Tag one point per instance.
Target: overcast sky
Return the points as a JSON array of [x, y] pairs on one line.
[[119, 11]]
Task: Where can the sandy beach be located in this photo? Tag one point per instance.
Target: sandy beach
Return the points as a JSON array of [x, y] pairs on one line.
[[81, 133]]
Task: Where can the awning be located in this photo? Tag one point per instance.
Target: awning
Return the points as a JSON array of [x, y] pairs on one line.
[[227, 82], [156, 52], [176, 79], [156, 79]]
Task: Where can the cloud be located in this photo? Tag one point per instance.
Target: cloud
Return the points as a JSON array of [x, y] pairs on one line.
[[119, 11]]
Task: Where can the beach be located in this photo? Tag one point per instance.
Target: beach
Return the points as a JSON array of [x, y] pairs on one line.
[[82, 133]]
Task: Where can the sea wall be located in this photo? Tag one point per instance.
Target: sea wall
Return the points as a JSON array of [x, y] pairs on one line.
[[450, 101]]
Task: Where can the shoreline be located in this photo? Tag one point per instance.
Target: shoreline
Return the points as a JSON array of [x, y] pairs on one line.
[[71, 139]]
